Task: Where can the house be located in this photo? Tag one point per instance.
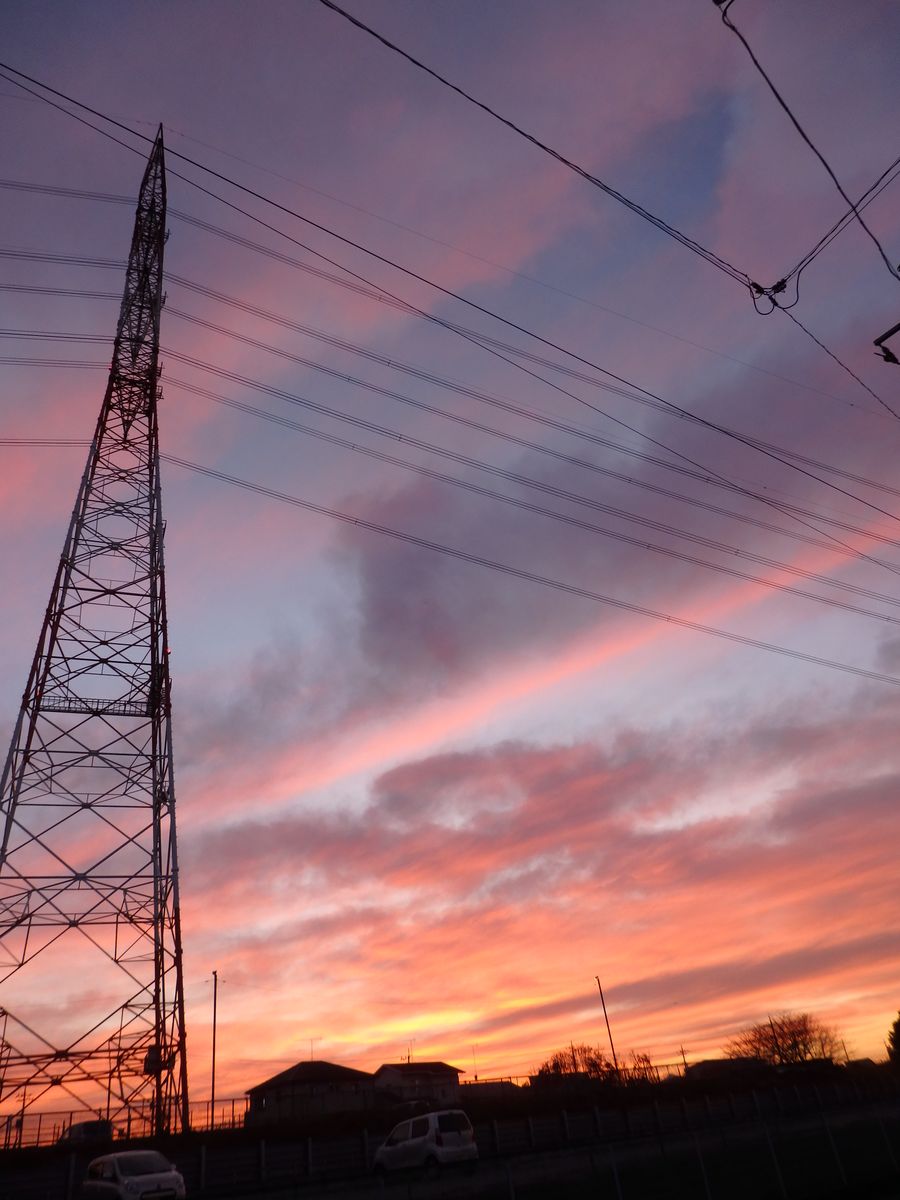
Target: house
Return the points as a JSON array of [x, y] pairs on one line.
[[310, 1089], [434, 1082]]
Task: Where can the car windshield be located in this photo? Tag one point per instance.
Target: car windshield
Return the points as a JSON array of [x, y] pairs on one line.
[[149, 1163], [453, 1122]]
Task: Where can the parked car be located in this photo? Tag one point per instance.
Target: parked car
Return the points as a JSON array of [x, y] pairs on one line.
[[430, 1141], [82, 1133], [132, 1175]]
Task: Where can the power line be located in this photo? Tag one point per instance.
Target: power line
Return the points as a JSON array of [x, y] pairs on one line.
[[658, 222], [525, 575], [530, 576], [809, 333], [791, 509], [470, 337], [539, 510], [833, 545], [559, 493], [887, 176], [731, 486], [725, 5], [787, 509], [473, 338], [76, 193], [427, 376]]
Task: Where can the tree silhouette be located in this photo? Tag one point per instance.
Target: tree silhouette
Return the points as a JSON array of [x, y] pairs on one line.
[[578, 1059], [785, 1039], [893, 1044]]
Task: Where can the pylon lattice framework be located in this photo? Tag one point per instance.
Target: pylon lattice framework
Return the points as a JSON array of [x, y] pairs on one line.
[[90, 941]]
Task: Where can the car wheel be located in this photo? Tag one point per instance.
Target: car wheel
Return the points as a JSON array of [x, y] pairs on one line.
[[432, 1167]]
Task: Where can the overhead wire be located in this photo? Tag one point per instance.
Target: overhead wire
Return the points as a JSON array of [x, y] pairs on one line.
[[567, 519], [77, 193], [373, 254], [827, 542], [725, 6], [715, 478], [659, 223], [790, 509], [755, 289], [413, 274], [524, 575], [393, 363], [887, 176], [809, 333]]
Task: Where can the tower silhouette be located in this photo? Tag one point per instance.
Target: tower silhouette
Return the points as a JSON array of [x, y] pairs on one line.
[[91, 987]]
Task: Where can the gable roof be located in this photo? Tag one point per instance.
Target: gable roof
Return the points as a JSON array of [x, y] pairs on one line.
[[421, 1068], [317, 1071]]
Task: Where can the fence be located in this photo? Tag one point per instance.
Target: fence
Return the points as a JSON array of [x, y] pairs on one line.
[[18, 1129], [780, 1142]]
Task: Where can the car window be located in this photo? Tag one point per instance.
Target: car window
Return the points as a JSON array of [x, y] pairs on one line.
[[145, 1163], [419, 1127], [399, 1134], [107, 1170], [453, 1122], [95, 1170]]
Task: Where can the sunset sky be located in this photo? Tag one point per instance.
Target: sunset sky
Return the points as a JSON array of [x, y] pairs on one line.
[[423, 803]]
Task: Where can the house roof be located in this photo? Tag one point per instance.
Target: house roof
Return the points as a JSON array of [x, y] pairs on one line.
[[421, 1068], [317, 1071]]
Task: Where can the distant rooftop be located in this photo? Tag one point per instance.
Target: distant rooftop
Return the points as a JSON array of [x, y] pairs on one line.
[[421, 1068], [317, 1071]]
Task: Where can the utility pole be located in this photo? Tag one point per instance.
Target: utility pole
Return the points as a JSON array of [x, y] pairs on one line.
[[89, 888], [608, 1030], [212, 1090]]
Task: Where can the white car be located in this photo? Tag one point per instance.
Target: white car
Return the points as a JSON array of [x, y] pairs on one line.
[[132, 1175], [430, 1141]]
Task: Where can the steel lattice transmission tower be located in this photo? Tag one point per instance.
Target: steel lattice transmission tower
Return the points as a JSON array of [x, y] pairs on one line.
[[90, 942]]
